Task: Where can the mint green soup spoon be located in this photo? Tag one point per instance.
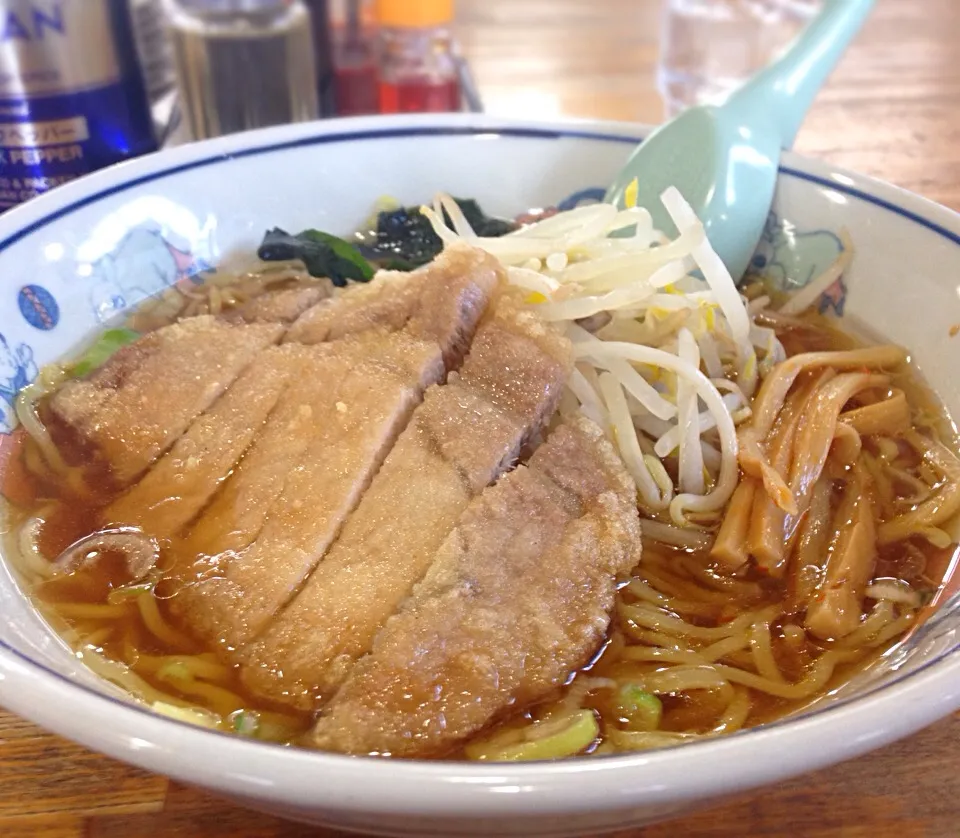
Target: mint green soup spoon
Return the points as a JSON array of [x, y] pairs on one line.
[[723, 158]]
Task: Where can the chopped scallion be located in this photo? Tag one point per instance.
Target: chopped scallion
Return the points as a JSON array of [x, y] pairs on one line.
[[638, 709]]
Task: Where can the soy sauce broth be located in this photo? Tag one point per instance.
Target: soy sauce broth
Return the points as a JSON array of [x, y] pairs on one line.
[[103, 615]]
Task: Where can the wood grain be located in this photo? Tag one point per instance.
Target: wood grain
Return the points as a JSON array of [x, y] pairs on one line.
[[891, 110]]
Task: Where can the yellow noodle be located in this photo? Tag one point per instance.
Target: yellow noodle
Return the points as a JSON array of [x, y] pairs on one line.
[[794, 636], [198, 666], [669, 584], [91, 611], [656, 638], [921, 490], [934, 510], [219, 699], [579, 733], [657, 654], [121, 675], [729, 585], [893, 629], [671, 636], [761, 649], [881, 615], [736, 714], [628, 740], [893, 590], [625, 671], [94, 639], [153, 620], [887, 449], [741, 658], [724, 648], [641, 590], [815, 679], [928, 475], [659, 620], [680, 679], [578, 691], [681, 588]]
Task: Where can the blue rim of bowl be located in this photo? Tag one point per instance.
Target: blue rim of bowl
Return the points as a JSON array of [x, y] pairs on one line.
[[465, 130], [440, 131]]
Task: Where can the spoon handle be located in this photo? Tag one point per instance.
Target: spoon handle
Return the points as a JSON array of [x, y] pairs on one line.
[[786, 88]]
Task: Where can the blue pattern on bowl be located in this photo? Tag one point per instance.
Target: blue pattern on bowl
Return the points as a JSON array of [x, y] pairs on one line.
[[17, 370], [789, 259], [143, 265], [38, 307]]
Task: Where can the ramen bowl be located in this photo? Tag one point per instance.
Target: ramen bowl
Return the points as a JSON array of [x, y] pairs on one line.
[[73, 260]]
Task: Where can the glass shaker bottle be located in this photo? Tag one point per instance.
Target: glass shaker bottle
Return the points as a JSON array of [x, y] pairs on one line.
[[418, 68], [243, 64]]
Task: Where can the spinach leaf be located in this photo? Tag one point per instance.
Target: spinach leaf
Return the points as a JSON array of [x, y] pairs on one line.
[[103, 348], [404, 236], [483, 224], [323, 254]]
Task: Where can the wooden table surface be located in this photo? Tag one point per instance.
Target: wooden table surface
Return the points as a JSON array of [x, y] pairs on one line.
[[891, 110]]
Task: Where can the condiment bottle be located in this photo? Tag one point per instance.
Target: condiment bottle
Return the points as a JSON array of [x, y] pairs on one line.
[[417, 64], [352, 32], [243, 64]]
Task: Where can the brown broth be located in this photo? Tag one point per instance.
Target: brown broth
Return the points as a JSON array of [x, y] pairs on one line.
[[121, 631]]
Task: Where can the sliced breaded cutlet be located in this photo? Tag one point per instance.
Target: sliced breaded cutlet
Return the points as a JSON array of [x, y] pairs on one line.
[[132, 409], [281, 306], [286, 502], [276, 515], [419, 302], [458, 441], [181, 483], [518, 596]]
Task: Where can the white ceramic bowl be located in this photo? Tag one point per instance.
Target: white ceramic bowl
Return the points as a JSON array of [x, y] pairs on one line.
[[71, 259]]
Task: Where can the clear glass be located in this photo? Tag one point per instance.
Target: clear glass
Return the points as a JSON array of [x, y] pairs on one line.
[[708, 47], [243, 64]]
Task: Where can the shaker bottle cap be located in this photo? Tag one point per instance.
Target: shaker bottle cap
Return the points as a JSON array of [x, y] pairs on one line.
[[414, 14]]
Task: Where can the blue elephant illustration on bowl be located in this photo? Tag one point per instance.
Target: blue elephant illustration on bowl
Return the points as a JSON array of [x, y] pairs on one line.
[[144, 264], [788, 259], [17, 370]]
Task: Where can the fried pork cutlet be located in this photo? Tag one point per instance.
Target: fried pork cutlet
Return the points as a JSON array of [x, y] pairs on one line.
[[132, 409], [286, 502], [517, 597], [419, 302], [181, 483], [277, 514], [281, 306], [458, 441]]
